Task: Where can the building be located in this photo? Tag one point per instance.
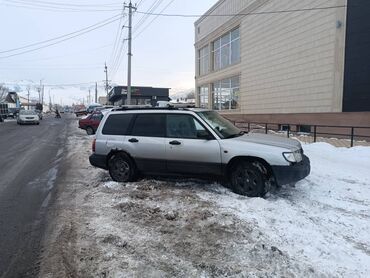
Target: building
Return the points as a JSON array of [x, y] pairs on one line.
[[139, 95], [102, 100], [289, 61]]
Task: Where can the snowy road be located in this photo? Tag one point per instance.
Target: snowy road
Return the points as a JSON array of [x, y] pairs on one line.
[[190, 228]]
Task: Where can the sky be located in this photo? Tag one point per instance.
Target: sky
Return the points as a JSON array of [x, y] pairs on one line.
[[163, 49]]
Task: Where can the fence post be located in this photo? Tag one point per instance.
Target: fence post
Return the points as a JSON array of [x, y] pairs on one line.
[[265, 128], [352, 135], [249, 127], [314, 134], [288, 130]]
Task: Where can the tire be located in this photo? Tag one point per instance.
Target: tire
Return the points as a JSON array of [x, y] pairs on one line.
[[122, 168], [90, 130], [248, 180]]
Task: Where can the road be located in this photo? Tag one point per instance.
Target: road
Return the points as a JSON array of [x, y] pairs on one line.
[[30, 160]]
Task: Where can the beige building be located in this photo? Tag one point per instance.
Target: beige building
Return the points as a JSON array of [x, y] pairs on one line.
[[280, 57]]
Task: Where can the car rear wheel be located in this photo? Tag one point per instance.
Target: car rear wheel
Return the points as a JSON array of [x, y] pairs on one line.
[[121, 168], [90, 130], [247, 179]]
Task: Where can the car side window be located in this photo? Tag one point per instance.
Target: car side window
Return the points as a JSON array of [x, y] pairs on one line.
[[150, 125], [117, 124], [185, 126]]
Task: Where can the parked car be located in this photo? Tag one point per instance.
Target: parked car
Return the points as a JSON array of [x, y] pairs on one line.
[[80, 113], [92, 106], [90, 123], [195, 142], [28, 117]]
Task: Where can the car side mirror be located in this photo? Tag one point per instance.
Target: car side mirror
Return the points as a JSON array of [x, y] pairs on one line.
[[204, 134]]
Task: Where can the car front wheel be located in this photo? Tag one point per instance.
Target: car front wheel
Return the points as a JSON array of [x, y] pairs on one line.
[[121, 168], [247, 179]]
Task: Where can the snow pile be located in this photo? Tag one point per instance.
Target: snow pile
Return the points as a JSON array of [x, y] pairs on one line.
[[325, 219]]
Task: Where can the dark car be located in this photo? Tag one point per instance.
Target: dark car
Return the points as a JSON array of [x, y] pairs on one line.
[[39, 113], [91, 122]]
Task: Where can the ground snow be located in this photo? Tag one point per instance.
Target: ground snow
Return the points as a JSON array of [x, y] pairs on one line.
[[325, 219], [192, 228]]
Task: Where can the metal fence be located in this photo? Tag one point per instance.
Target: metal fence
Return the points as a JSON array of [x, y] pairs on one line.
[[348, 132]]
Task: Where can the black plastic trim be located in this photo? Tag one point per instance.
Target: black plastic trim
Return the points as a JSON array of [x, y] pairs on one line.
[[292, 173]]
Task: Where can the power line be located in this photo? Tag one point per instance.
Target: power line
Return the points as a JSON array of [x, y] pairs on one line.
[[241, 14], [50, 7], [145, 27], [59, 37], [62, 40], [67, 4]]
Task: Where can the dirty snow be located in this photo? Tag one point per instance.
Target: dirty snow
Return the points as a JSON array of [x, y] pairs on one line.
[[192, 228]]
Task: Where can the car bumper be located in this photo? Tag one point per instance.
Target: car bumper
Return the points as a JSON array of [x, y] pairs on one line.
[[292, 173], [28, 121], [99, 161]]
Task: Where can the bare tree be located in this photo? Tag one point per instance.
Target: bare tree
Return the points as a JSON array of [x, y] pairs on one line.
[[3, 92]]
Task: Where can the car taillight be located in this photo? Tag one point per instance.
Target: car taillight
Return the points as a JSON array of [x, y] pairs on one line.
[[93, 145]]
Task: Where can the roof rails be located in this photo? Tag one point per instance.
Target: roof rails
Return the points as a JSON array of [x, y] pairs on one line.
[[125, 108]]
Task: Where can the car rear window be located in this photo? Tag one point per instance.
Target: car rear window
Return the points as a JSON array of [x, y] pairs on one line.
[[151, 125], [117, 124]]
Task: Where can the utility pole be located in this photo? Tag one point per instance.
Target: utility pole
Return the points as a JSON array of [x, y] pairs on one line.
[[129, 54], [42, 95], [89, 99], [106, 81], [96, 92], [28, 99]]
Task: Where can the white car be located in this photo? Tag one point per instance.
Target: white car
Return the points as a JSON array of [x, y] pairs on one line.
[[194, 142], [28, 117]]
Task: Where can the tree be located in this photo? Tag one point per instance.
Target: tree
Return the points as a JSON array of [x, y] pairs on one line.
[[3, 93], [190, 95]]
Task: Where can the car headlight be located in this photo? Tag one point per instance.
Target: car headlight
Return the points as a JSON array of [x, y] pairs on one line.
[[293, 156], [289, 157]]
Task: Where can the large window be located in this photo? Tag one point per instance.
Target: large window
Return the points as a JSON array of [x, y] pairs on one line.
[[186, 127], [151, 125], [226, 94], [203, 60], [117, 124], [226, 50], [203, 96]]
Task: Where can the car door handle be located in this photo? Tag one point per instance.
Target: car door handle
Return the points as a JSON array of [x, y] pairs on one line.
[[133, 140], [175, 142]]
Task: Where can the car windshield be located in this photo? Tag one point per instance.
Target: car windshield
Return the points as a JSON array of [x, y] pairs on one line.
[[27, 112], [224, 128]]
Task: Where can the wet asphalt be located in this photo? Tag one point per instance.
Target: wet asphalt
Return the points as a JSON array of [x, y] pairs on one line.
[[30, 160]]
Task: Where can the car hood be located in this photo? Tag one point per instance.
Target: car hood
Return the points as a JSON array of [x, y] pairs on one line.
[[28, 116], [271, 140]]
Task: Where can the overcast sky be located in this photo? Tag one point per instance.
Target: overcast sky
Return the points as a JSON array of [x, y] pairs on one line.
[[163, 52]]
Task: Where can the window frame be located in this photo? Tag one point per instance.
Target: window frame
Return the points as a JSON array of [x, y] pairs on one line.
[[204, 59], [212, 137], [217, 46], [217, 91]]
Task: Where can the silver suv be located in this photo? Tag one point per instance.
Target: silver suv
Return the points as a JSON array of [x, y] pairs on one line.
[[194, 142]]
